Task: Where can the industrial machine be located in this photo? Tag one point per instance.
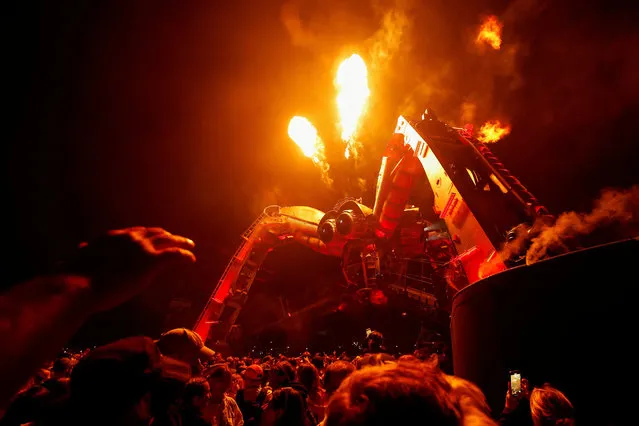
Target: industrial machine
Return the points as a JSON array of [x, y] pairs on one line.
[[480, 208]]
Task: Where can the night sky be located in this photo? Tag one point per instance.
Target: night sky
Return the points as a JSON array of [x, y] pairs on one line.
[[174, 114]]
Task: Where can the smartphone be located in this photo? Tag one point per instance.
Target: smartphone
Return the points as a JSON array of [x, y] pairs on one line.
[[515, 382]]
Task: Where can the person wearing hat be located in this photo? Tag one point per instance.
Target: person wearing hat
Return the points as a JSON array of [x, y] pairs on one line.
[[114, 384], [222, 410], [184, 345], [254, 398]]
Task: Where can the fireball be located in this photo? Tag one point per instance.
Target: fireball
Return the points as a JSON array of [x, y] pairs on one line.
[[352, 96], [304, 134], [492, 131], [490, 32]]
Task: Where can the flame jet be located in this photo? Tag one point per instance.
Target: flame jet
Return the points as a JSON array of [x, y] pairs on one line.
[[353, 92], [304, 134]]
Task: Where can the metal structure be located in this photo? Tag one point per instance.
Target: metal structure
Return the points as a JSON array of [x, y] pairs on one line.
[[478, 203]]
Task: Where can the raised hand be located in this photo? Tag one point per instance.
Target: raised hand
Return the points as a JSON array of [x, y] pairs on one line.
[[124, 262], [39, 316], [512, 401]]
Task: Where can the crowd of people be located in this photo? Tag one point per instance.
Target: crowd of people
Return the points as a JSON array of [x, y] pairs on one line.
[[176, 380]]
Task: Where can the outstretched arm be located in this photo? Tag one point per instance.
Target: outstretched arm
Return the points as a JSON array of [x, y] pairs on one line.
[[38, 317]]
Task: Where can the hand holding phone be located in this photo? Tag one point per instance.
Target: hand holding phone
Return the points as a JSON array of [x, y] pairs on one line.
[[515, 383], [515, 391]]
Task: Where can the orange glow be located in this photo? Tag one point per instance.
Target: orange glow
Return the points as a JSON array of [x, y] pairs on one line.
[[492, 131], [490, 32], [304, 134], [492, 265], [352, 96]]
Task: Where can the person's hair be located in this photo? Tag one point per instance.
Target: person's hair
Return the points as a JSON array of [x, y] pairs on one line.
[[336, 373], [267, 370], [309, 377], [403, 393], [549, 406], [373, 360], [196, 387], [63, 365], [237, 378], [292, 404], [408, 358], [357, 362], [285, 369], [375, 341], [40, 376], [318, 362], [218, 372]]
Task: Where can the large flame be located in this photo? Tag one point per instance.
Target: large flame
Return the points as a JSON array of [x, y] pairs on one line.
[[490, 32], [353, 93], [304, 134], [492, 131]]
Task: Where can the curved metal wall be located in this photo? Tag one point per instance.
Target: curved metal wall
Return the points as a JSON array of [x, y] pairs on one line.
[[570, 321]]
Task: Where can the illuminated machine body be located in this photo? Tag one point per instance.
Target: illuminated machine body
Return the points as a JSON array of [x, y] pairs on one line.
[[478, 203]]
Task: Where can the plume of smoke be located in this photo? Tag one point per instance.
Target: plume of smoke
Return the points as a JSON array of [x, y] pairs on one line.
[[362, 184], [517, 246], [324, 168], [354, 149], [433, 89], [262, 199], [497, 72], [390, 37], [290, 16], [614, 207], [468, 111], [316, 25], [519, 8], [328, 25], [320, 161]]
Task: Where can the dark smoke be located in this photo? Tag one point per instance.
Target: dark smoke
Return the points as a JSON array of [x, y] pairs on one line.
[[615, 216]]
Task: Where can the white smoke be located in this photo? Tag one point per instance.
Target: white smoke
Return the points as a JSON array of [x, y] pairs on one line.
[[614, 208]]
